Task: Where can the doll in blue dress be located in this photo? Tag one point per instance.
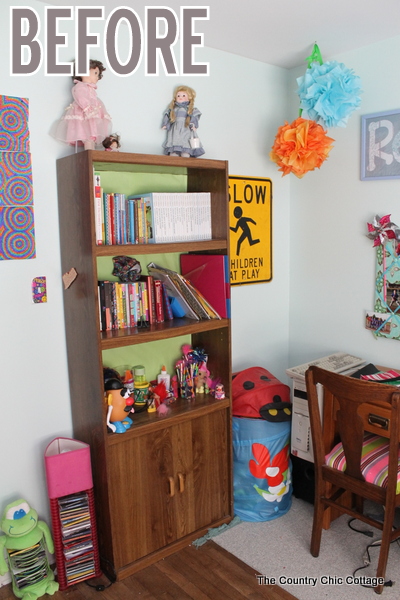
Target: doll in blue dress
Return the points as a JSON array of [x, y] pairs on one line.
[[181, 121]]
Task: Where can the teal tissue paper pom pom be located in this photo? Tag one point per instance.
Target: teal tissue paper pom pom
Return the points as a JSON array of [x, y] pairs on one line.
[[329, 93]]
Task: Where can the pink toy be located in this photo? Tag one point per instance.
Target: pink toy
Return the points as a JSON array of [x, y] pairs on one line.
[[85, 121], [219, 391]]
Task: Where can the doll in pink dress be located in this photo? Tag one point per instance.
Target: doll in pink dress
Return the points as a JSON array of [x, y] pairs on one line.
[[86, 121]]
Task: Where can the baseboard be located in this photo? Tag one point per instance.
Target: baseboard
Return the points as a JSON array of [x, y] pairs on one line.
[[5, 579]]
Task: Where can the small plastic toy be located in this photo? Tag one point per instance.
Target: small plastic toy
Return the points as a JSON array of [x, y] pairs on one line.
[[158, 400], [181, 121], [219, 391], [85, 121], [112, 143], [26, 540], [120, 404], [202, 380]]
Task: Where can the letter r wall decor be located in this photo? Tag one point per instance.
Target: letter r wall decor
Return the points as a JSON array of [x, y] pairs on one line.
[[380, 146]]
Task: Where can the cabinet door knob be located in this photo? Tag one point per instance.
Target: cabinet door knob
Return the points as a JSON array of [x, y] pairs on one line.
[[171, 486], [181, 481]]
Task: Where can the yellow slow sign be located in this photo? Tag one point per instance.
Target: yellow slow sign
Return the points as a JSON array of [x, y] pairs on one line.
[[250, 216]]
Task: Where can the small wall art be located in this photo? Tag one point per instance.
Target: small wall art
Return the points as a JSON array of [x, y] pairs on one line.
[[380, 146], [384, 320], [17, 236]]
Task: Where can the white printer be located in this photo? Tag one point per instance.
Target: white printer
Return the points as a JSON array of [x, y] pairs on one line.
[[340, 362]]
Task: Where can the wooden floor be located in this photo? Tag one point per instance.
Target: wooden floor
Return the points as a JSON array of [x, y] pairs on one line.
[[205, 573]]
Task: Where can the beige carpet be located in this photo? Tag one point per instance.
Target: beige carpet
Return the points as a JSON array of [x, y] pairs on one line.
[[280, 549]]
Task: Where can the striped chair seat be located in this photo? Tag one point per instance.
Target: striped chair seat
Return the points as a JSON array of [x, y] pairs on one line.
[[374, 460]]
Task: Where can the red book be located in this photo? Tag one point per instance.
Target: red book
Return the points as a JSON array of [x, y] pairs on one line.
[[159, 301]]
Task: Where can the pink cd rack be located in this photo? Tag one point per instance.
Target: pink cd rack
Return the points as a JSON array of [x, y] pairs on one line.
[[71, 497]]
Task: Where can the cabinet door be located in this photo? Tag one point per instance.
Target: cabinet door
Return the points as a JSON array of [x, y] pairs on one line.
[[211, 471], [167, 484], [142, 495]]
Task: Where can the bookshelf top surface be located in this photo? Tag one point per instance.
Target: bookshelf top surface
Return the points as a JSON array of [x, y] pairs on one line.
[[129, 162]]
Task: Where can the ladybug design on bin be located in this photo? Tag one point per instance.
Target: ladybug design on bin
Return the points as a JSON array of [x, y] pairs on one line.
[[258, 394]]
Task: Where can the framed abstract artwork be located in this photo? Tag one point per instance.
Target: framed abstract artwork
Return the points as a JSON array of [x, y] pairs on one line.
[[380, 146], [17, 233]]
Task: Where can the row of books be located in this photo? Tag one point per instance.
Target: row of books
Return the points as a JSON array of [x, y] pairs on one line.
[[123, 305], [76, 530], [151, 217], [201, 291]]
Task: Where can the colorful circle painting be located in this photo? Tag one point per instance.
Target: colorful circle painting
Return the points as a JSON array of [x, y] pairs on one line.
[[17, 235], [14, 128]]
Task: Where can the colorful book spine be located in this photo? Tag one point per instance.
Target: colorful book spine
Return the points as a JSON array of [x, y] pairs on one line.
[[114, 316], [132, 303], [98, 213], [120, 306], [150, 295], [159, 304], [131, 221]]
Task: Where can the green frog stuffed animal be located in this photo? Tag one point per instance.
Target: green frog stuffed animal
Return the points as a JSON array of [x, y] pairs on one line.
[[25, 540]]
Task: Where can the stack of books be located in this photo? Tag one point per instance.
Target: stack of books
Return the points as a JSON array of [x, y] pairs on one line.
[[151, 217], [176, 217], [76, 537]]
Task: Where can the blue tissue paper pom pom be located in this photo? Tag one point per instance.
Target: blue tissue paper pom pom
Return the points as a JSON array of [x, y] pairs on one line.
[[329, 93]]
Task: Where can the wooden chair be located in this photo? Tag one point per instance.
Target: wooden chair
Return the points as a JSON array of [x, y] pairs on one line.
[[353, 410]]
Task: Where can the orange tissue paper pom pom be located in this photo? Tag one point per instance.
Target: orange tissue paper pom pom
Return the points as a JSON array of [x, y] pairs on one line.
[[300, 146]]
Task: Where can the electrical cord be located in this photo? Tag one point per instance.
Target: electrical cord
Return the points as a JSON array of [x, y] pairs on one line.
[[367, 556], [100, 587], [363, 531], [367, 562]]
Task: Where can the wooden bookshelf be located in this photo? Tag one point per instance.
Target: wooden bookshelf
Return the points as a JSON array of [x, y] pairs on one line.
[[165, 481]]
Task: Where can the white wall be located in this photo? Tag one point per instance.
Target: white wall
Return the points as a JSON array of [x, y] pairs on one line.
[[332, 262], [242, 102]]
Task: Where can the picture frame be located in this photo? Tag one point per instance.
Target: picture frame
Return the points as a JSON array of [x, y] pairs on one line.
[[384, 319], [380, 145]]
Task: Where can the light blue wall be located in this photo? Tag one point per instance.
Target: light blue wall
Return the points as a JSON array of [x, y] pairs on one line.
[[332, 262], [243, 102]]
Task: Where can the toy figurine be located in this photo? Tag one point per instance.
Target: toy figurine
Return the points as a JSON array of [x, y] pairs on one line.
[[26, 540], [112, 143], [181, 121], [159, 399], [219, 391], [120, 404], [202, 380], [86, 121]]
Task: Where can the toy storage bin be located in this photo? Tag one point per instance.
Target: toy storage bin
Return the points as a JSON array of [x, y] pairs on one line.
[[261, 408], [69, 472], [259, 448]]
